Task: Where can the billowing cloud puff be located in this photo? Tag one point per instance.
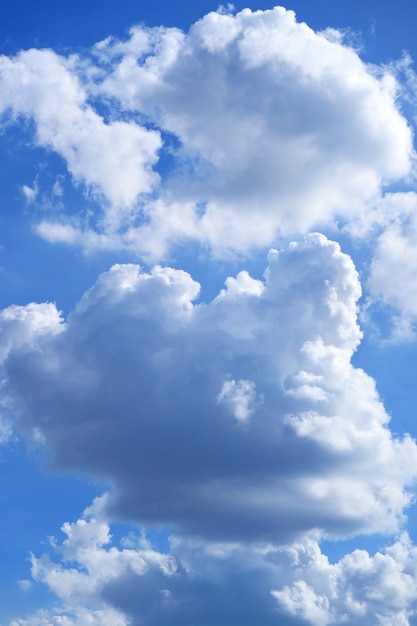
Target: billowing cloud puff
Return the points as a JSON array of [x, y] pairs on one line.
[[271, 117], [359, 589], [259, 117], [100, 583], [113, 159], [94, 564], [23, 326], [391, 225], [241, 418], [393, 271]]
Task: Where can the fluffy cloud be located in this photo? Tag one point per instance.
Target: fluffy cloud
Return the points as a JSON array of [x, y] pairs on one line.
[[98, 582], [272, 119], [23, 326], [394, 265], [86, 564], [391, 226], [261, 118], [359, 589], [113, 159], [242, 418]]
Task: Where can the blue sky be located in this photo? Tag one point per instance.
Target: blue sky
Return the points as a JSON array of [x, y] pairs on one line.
[[208, 314]]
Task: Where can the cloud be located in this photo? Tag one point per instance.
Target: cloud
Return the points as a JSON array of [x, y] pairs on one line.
[[112, 159], [97, 581], [238, 419], [327, 131], [239, 397], [265, 127], [395, 256], [30, 193], [239, 426], [87, 564], [359, 589], [23, 325], [390, 273]]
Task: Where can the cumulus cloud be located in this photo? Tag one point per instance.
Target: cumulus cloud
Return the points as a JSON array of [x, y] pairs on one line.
[[87, 563], [326, 130], [359, 589], [97, 581], [239, 397], [392, 266], [24, 325], [241, 418], [258, 116], [113, 159], [239, 425]]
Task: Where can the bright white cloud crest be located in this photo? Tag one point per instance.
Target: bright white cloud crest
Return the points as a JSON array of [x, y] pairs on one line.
[[326, 128]]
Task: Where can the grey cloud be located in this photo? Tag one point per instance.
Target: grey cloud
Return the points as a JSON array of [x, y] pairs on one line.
[[128, 392]]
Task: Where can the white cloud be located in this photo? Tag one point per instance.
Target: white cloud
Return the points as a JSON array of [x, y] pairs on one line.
[[359, 589], [6, 428], [20, 325], [85, 562], [129, 390], [269, 128], [394, 267], [392, 283], [240, 424], [96, 582], [273, 120], [239, 396], [113, 159], [83, 617], [30, 193]]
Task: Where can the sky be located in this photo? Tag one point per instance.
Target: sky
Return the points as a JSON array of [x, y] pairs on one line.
[[208, 313]]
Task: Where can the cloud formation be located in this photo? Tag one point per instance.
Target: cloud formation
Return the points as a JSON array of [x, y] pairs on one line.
[[390, 225], [113, 160], [240, 425], [99, 582], [395, 256], [326, 127], [242, 418]]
